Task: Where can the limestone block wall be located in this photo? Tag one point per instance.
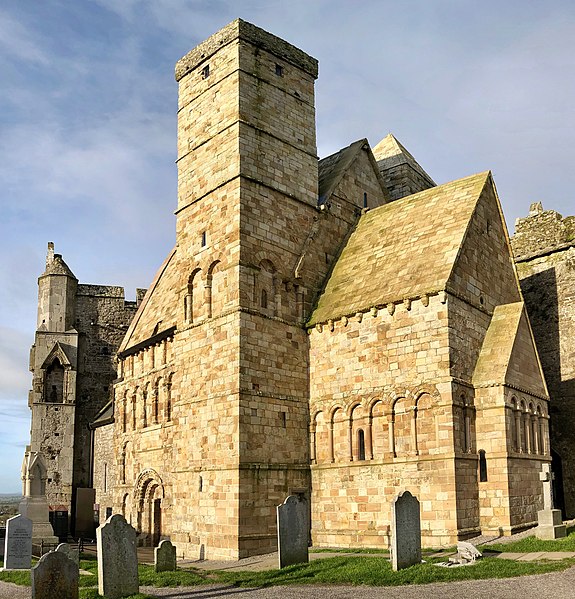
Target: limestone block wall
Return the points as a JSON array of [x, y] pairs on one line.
[[102, 318], [512, 435], [382, 420], [543, 245], [104, 473], [402, 180]]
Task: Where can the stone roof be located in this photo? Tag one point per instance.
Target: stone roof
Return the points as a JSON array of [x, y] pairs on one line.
[[332, 169], [389, 152], [104, 416], [508, 354], [404, 249], [158, 310], [57, 266]]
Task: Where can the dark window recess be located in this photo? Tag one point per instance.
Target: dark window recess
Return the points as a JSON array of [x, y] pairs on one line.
[[105, 351], [482, 466], [204, 239], [264, 299], [56, 434], [365, 200], [279, 70], [206, 72], [108, 512], [283, 419], [360, 445], [201, 485]]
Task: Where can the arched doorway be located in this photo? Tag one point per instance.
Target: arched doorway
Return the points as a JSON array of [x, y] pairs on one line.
[[149, 496]]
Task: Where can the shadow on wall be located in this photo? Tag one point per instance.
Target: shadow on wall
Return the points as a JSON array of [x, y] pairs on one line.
[[541, 298]]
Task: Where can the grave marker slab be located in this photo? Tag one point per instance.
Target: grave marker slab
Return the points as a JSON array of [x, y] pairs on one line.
[[69, 552], [117, 558], [18, 543], [55, 575], [405, 531], [165, 557], [293, 531]]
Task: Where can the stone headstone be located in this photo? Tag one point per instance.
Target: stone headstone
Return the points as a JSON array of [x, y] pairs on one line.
[[18, 544], [55, 575], [69, 552], [405, 531], [293, 531], [165, 557], [117, 558]]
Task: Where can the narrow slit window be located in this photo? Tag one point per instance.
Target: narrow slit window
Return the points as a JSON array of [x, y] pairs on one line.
[[206, 72], [204, 239], [482, 466], [365, 199], [264, 299], [360, 445], [279, 70]]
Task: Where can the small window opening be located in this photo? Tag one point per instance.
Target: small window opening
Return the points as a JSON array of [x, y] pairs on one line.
[[279, 70], [365, 199], [206, 72], [49, 480], [482, 466], [283, 419], [105, 351], [360, 445], [264, 299], [56, 434], [204, 239], [201, 485]]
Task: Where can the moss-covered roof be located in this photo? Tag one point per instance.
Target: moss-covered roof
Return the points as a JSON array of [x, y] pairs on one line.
[[404, 249]]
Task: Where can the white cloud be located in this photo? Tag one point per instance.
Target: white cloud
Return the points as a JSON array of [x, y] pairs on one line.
[[17, 41]]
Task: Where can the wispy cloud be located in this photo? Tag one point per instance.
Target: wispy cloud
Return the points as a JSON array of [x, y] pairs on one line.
[[19, 42]]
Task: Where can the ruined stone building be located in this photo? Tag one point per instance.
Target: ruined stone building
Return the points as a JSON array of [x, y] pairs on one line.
[[544, 248], [78, 332], [341, 329]]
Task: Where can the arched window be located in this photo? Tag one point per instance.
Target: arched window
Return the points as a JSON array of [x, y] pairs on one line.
[[360, 445], [54, 387]]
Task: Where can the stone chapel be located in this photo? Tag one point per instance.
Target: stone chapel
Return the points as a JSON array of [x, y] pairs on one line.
[[342, 329]]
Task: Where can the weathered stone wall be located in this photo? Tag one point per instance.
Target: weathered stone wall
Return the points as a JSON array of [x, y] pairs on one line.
[[544, 248], [104, 474]]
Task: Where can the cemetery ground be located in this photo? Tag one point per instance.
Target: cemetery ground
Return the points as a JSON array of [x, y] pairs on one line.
[[326, 567]]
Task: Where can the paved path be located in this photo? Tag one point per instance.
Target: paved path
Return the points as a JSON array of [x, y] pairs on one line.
[[557, 585]]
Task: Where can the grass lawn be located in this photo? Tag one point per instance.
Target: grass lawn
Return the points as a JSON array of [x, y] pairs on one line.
[[336, 570], [533, 544], [376, 571]]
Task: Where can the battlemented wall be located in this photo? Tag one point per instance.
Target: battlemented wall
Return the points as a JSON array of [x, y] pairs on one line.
[[544, 249], [72, 361]]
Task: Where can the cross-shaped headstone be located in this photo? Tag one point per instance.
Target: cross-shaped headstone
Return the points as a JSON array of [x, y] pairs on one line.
[[547, 477]]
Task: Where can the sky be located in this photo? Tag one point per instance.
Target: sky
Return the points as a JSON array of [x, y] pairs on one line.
[[88, 125]]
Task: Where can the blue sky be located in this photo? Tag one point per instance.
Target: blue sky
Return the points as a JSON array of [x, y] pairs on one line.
[[88, 125]]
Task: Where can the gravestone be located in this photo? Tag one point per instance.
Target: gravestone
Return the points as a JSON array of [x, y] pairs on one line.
[[165, 557], [69, 552], [117, 558], [550, 523], [55, 575], [405, 531], [293, 531], [18, 543]]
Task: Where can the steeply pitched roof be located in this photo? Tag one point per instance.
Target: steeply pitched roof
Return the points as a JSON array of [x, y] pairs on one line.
[[403, 249], [389, 152], [332, 168], [57, 266], [508, 354], [157, 308]]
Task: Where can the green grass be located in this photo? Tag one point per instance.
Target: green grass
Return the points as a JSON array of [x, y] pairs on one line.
[[377, 571], [533, 544], [186, 578], [21, 577]]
